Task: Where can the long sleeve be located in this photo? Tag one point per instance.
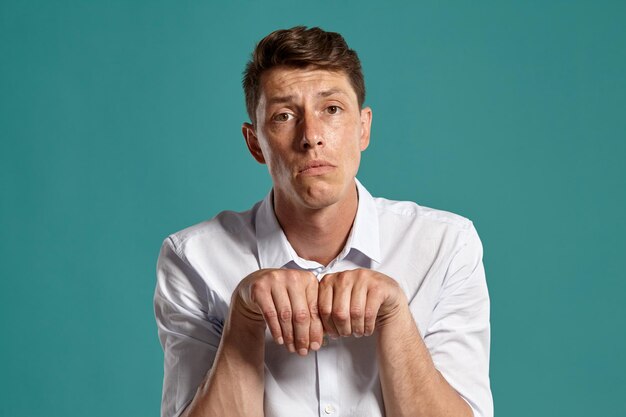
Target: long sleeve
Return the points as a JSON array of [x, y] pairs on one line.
[[190, 322], [458, 334]]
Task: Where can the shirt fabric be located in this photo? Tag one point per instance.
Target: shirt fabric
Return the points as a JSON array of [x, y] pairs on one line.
[[435, 256]]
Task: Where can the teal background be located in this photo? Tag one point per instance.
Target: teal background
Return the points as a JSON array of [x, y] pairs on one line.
[[120, 123]]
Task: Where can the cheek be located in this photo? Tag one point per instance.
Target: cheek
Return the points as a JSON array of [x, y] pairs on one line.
[[277, 163], [352, 142]]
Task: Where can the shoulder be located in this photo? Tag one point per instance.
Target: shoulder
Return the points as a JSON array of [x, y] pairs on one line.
[[226, 229], [410, 213], [426, 230]]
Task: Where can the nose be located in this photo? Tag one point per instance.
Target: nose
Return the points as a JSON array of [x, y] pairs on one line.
[[311, 132]]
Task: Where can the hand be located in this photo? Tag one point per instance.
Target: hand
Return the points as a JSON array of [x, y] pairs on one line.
[[355, 302], [286, 301]]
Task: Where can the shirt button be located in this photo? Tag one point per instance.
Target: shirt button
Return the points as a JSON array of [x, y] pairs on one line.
[[329, 409]]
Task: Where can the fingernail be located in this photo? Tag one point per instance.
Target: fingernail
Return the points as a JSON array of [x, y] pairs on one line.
[[357, 334], [280, 340], [303, 352], [315, 346], [291, 347]]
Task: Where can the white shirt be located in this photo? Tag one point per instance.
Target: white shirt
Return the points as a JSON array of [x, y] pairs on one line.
[[435, 256]]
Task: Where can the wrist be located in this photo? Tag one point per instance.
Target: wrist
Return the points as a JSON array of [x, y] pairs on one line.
[[243, 320], [397, 313]]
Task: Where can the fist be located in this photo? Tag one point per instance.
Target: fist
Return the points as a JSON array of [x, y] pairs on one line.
[[286, 301], [354, 302]]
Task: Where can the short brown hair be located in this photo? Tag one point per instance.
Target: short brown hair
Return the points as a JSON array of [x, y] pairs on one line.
[[300, 47]]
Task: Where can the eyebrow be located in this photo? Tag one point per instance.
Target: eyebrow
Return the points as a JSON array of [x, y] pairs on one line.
[[279, 100], [288, 99], [331, 92]]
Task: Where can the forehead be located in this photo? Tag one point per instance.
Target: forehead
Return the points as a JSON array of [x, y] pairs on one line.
[[302, 82]]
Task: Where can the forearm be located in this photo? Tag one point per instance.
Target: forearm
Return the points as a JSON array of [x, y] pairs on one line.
[[235, 384], [411, 384]]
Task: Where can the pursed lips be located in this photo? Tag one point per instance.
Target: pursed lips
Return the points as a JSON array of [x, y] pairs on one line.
[[316, 167]]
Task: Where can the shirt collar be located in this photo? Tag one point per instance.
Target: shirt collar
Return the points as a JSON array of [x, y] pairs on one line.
[[275, 250], [365, 236]]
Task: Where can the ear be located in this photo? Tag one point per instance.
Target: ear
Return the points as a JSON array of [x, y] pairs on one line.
[[366, 125], [252, 141]]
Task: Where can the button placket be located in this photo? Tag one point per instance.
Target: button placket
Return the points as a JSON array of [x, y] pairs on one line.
[[328, 379]]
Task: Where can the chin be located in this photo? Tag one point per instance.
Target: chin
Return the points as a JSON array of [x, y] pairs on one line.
[[319, 203], [318, 196]]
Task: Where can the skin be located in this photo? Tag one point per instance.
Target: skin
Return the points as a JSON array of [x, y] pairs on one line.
[[310, 133]]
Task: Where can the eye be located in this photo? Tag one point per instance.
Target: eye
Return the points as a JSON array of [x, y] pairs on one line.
[[333, 109], [282, 117]]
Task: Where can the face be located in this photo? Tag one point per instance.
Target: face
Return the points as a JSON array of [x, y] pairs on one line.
[[310, 132]]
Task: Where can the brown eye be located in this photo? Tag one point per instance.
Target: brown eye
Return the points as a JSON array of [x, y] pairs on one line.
[[332, 109], [282, 117]]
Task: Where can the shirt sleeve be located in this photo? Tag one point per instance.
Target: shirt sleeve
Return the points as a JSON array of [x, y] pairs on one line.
[[188, 326], [458, 335]]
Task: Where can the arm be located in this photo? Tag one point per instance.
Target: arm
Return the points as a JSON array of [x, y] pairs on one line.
[[454, 352], [355, 302], [411, 384], [235, 384], [458, 334], [210, 370], [284, 300]]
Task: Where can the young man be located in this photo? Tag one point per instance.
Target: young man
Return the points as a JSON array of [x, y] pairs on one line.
[[321, 300]]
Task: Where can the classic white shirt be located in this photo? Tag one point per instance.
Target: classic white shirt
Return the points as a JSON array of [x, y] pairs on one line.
[[435, 256]]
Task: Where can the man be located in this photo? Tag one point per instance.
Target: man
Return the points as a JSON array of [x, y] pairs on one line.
[[321, 300]]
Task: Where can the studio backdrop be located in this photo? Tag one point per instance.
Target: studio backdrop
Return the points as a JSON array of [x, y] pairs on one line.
[[120, 123]]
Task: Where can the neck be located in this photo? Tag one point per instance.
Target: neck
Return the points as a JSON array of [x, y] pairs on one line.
[[318, 234]]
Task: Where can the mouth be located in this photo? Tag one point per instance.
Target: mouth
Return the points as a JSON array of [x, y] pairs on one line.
[[316, 167]]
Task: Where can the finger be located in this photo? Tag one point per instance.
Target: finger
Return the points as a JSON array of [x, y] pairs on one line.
[[372, 306], [325, 305], [283, 308], [301, 317], [316, 332], [342, 293], [263, 298], [358, 300]]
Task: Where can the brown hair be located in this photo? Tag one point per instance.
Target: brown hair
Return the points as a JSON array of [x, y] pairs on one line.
[[300, 47]]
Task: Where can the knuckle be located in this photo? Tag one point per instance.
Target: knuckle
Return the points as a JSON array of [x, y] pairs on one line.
[[340, 316], [285, 315], [369, 314], [301, 316], [356, 312], [271, 275], [325, 282], [257, 287], [374, 291], [302, 341], [325, 312], [270, 314], [344, 280], [292, 276]]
